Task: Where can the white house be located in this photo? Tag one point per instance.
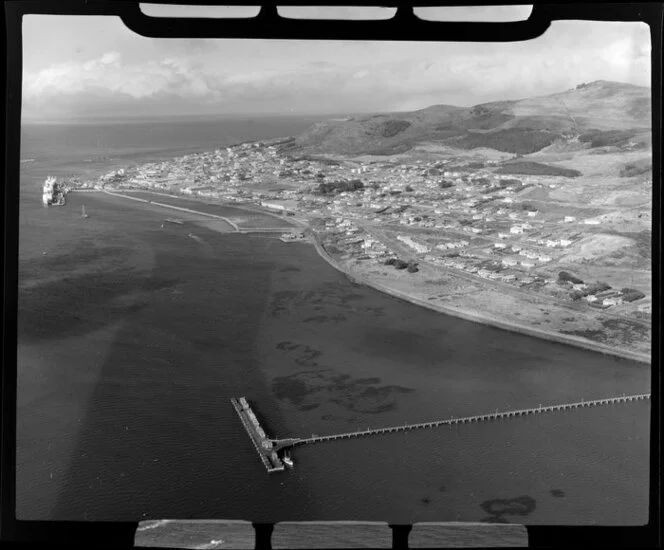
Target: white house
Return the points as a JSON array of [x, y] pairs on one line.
[[616, 300], [414, 245], [516, 229], [569, 219]]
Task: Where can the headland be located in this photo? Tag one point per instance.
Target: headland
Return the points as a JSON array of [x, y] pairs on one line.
[[541, 231]]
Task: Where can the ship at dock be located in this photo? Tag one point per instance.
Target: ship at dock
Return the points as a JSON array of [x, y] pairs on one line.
[[54, 192]]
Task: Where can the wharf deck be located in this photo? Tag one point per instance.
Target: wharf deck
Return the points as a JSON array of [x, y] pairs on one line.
[[264, 447], [291, 442]]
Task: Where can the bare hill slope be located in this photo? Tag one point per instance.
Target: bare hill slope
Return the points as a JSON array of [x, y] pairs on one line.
[[597, 113]]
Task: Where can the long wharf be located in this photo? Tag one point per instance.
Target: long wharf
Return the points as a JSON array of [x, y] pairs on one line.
[[277, 445]]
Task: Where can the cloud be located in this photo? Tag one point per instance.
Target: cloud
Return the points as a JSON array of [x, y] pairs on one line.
[[313, 77]]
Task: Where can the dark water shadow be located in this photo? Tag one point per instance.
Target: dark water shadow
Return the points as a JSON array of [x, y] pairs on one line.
[[159, 438]]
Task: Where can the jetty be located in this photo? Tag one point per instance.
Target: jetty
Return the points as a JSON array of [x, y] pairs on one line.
[[263, 445], [277, 445]]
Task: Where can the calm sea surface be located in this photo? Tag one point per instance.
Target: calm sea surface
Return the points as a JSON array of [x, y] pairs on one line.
[[132, 339]]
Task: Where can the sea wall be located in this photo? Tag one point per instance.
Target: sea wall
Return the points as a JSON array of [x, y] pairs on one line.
[[180, 208]]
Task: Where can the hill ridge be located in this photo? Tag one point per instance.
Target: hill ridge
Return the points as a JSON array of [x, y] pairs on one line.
[[520, 126]]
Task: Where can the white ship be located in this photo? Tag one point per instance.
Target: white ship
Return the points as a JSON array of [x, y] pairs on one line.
[[53, 192]]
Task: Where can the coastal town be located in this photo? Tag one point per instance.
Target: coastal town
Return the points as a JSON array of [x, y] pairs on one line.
[[469, 217]]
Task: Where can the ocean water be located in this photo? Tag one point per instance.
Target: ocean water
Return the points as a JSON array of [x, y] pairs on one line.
[[133, 337]]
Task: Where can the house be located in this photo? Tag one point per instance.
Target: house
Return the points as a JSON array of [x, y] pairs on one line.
[[516, 229], [532, 213], [499, 245], [528, 264], [610, 293], [614, 301], [569, 219]]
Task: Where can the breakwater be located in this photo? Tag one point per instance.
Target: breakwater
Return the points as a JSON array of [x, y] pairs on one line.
[[180, 208]]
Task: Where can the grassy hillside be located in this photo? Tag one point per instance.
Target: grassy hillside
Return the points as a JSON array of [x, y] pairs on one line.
[[598, 114]]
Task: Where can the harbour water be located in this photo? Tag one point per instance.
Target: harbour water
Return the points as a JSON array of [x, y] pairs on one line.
[[133, 337]]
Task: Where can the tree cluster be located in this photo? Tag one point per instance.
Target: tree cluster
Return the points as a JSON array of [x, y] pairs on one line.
[[334, 187], [568, 277]]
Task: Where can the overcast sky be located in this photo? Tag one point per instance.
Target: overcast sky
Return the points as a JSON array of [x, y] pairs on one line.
[[79, 66]]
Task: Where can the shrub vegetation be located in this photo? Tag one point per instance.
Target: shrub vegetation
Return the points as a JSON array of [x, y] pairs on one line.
[[536, 169], [565, 276], [513, 140], [333, 187]]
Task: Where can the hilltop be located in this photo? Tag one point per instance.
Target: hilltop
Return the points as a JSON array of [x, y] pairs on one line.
[[593, 114]]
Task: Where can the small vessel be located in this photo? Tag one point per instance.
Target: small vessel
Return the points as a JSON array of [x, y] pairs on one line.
[[83, 214], [288, 461]]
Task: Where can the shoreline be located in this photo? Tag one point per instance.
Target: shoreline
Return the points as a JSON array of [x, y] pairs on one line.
[[483, 319], [467, 315]]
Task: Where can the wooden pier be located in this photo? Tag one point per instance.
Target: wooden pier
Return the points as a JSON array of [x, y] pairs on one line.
[[264, 446], [291, 442]]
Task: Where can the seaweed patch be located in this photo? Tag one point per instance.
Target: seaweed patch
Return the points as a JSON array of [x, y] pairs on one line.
[[498, 508]]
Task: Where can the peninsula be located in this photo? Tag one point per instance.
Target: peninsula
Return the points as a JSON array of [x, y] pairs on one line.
[[532, 215]]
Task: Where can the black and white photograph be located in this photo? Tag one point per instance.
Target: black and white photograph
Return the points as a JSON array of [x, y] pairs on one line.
[[282, 280]]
